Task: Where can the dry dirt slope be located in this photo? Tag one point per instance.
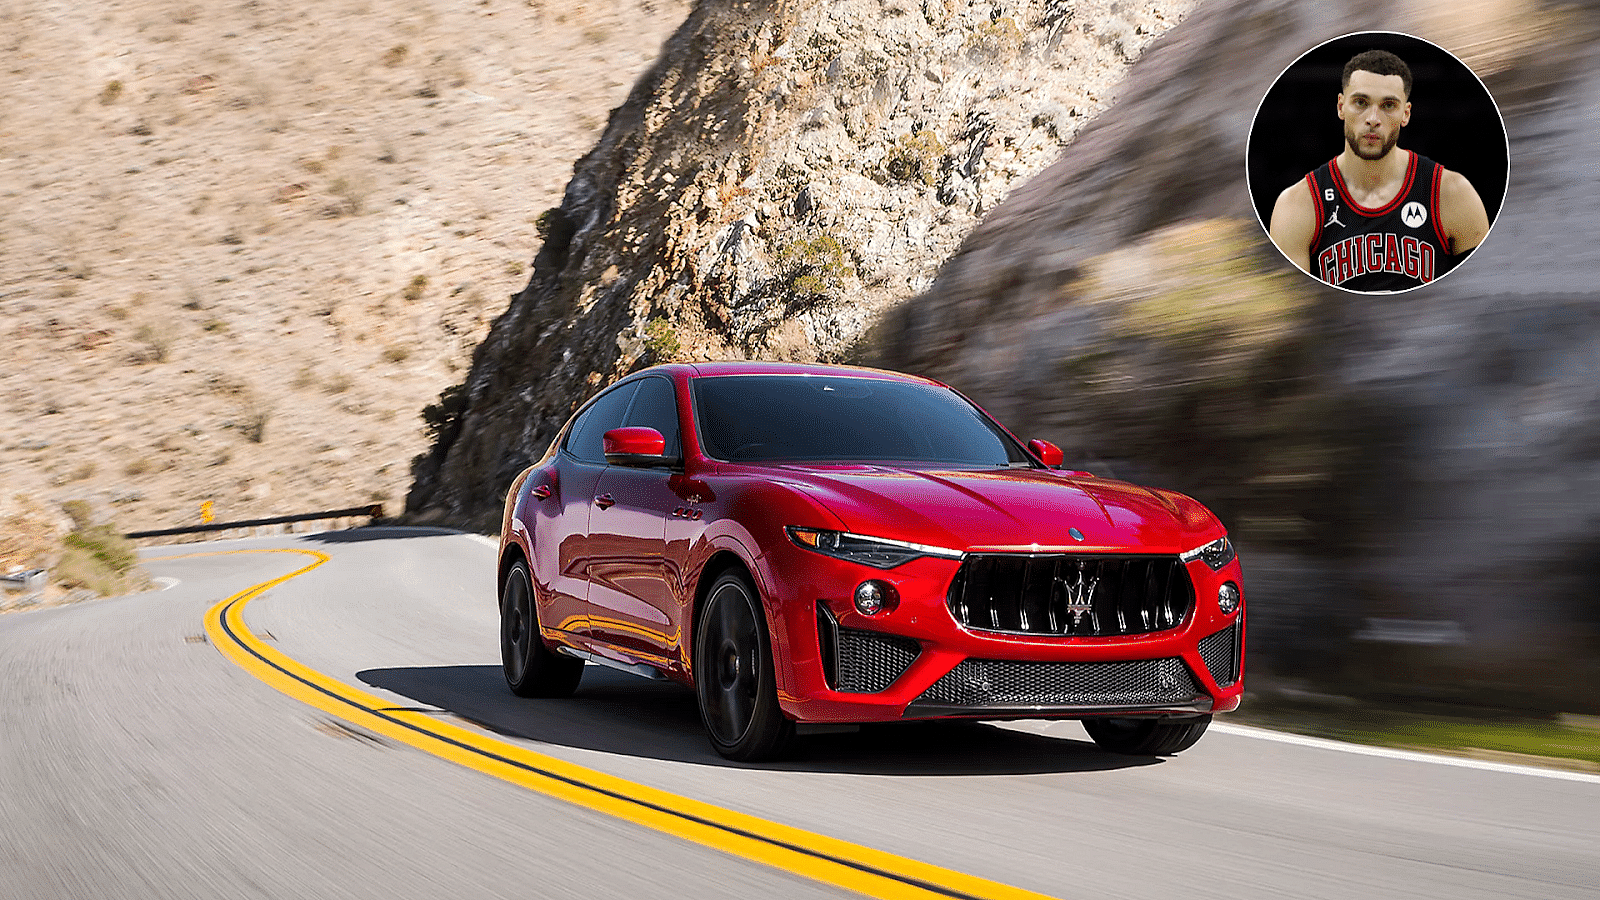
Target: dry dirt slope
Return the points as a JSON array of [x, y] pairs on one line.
[[243, 243]]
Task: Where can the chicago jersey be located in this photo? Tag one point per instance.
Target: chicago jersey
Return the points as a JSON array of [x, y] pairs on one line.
[[1397, 246]]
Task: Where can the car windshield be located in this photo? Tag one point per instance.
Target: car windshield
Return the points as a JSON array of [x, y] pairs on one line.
[[827, 417]]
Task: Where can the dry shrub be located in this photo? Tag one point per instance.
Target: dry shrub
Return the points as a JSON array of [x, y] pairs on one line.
[[100, 559]]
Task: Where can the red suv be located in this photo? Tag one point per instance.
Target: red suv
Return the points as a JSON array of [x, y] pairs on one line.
[[816, 544]]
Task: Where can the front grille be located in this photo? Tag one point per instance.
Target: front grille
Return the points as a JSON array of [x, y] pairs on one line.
[[1221, 653], [1077, 595], [978, 682], [861, 662]]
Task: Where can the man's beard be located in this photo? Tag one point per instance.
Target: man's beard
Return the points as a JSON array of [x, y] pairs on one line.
[[1353, 140]]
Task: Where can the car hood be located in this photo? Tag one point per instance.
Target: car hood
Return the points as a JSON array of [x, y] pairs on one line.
[[1024, 510]]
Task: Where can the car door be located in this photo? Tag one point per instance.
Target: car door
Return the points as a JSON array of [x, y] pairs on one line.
[[633, 585], [579, 466]]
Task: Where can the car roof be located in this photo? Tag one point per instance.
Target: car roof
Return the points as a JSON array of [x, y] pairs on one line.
[[760, 367]]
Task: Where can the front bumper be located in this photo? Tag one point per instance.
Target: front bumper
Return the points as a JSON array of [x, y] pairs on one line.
[[915, 660]]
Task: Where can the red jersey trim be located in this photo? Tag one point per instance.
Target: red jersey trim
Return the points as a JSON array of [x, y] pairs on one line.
[[1399, 197], [1433, 200], [1316, 206]]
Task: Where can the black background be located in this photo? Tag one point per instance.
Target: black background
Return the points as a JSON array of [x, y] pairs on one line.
[[1454, 121]]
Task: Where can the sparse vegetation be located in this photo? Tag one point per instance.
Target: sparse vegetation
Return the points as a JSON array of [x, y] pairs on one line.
[[97, 557], [415, 288], [352, 192], [111, 92], [396, 353], [996, 39], [545, 221], [157, 340], [915, 157], [395, 55], [813, 267], [661, 340], [256, 416]]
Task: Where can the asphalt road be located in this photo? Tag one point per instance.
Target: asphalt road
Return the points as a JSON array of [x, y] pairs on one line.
[[136, 760]]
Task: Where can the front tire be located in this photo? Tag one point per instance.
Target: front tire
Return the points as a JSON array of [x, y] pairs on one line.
[[733, 675], [531, 669], [1146, 737]]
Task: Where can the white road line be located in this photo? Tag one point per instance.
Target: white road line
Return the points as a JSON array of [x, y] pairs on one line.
[[1301, 740], [482, 539]]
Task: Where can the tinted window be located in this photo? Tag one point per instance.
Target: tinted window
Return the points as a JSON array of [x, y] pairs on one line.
[[603, 415], [784, 417], [656, 406]]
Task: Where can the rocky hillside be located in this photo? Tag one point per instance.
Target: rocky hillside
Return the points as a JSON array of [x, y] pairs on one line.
[[1416, 478], [784, 173], [245, 243]]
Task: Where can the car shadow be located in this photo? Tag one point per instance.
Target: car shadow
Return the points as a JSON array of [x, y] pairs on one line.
[[618, 713]]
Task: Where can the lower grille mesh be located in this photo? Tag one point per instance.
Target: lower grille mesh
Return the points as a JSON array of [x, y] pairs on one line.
[[977, 682], [1221, 653], [869, 662]]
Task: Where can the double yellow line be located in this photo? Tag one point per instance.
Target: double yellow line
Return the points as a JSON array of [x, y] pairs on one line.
[[804, 853]]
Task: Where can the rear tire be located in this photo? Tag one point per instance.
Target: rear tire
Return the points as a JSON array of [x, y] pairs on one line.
[[531, 669], [733, 675], [1146, 737]]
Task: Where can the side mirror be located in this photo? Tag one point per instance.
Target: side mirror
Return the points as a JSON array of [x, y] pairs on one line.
[[1048, 453], [635, 446]]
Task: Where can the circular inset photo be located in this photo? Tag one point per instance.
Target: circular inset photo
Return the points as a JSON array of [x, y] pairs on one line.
[[1377, 162]]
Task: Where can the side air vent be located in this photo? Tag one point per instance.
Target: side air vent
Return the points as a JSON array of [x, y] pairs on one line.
[[1221, 654], [861, 662]]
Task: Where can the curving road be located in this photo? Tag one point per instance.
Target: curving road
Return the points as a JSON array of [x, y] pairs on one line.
[[136, 760]]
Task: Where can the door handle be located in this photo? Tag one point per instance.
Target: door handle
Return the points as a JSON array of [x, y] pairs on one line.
[[542, 492], [605, 501]]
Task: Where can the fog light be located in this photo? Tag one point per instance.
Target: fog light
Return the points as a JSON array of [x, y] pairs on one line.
[[1227, 598], [872, 597]]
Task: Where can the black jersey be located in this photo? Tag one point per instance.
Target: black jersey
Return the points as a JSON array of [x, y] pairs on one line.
[[1398, 246]]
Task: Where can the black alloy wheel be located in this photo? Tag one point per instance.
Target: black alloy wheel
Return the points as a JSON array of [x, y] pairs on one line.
[[531, 669], [733, 675], [1146, 737]]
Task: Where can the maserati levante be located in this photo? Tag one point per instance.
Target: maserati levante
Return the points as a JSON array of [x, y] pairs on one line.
[[818, 544]]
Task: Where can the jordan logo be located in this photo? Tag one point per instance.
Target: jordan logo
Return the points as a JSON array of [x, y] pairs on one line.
[[1333, 219]]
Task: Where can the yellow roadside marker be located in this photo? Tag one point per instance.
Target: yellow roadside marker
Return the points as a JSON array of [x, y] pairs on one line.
[[810, 855]]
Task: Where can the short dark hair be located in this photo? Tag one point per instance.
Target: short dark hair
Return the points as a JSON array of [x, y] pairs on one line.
[[1378, 62]]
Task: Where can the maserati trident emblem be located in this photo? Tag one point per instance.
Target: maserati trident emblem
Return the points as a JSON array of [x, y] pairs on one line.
[[1079, 597]]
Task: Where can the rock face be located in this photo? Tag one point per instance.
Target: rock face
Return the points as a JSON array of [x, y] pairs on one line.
[[1415, 478], [785, 172]]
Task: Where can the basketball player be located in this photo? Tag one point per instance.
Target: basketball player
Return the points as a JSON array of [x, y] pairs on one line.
[[1377, 217]]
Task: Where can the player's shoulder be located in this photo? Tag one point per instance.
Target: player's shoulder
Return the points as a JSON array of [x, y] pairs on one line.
[[1295, 198], [1453, 184]]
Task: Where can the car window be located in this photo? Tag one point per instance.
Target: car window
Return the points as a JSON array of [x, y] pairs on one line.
[[787, 417], [656, 406], [606, 413]]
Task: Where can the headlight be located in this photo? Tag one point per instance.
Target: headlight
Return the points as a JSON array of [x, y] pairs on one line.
[[880, 553], [1216, 554]]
